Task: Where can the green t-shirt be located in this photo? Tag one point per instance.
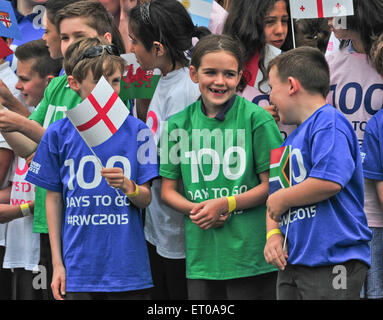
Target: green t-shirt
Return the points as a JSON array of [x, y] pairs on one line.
[[58, 98], [217, 159]]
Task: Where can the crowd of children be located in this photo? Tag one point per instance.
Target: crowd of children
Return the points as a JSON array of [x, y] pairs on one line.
[[177, 206]]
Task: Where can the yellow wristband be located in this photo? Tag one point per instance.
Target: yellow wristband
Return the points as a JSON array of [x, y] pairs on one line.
[[25, 209], [232, 203], [135, 193], [272, 232]]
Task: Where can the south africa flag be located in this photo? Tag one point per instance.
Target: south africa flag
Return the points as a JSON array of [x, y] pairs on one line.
[[279, 169]]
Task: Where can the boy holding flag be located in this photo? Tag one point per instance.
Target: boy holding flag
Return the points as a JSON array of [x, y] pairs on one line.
[[327, 243], [104, 253]]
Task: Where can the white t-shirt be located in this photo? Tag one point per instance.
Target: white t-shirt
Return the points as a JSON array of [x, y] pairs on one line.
[[22, 245], [164, 227], [10, 80], [357, 91]]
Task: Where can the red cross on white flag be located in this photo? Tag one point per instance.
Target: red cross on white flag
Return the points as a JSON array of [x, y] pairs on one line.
[[307, 9], [100, 115]]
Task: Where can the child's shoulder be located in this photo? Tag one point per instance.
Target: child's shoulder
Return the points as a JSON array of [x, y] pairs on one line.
[[251, 110]]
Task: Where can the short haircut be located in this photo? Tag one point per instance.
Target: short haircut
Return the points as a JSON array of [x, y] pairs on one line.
[[96, 17], [43, 64], [103, 65], [53, 6], [376, 54], [306, 64]]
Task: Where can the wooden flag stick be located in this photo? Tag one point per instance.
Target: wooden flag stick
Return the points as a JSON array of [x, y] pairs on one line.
[[293, 31], [288, 217]]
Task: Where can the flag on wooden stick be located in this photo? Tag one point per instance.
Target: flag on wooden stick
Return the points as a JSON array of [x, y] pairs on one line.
[[308, 9], [100, 115]]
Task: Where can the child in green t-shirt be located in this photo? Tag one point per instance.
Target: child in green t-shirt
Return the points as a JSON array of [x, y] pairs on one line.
[[220, 147]]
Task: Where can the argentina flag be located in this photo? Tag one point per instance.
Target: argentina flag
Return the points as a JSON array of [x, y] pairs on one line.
[[199, 11]]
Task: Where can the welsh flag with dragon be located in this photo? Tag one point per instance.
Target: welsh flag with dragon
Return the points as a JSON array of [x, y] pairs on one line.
[[137, 83]]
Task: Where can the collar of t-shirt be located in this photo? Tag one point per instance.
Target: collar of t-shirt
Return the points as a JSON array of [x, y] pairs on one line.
[[19, 16], [226, 107]]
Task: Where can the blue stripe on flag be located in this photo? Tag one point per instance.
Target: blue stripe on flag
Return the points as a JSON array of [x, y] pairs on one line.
[[200, 21]]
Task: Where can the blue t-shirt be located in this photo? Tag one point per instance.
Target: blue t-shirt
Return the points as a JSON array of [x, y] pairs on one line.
[[30, 27], [334, 230], [372, 148], [104, 247]]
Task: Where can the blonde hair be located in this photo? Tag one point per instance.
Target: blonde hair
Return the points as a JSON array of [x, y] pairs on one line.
[[103, 65]]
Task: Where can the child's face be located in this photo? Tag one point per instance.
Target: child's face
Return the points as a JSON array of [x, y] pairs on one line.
[[88, 84], [52, 38], [72, 29], [276, 25], [279, 96], [144, 57], [218, 77], [30, 84]]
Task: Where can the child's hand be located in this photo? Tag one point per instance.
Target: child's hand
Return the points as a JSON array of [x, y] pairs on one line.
[[58, 282], [273, 111], [206, 214], [273, 251], [6, 96], [9, 120], [221, 221], [116, 179], [276, 205]]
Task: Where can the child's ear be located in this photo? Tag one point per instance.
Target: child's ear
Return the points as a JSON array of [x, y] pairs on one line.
[[73, 83], [193, 74], [49, 78], [295, 85], [108, 37], [159, 48]]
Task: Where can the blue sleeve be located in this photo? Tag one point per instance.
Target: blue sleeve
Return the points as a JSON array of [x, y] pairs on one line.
[[372, 152], [332, 156], [44, 170], [146, 156]]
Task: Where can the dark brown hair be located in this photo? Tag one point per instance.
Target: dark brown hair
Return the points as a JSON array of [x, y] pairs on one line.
[[306, 64]]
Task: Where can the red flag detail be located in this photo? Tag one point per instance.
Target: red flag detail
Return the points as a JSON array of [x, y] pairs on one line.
[[101, 114], [320, 8]]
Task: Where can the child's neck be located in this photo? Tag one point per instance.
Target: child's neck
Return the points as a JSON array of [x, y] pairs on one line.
[[307, 106], [24, 7], [168, 67], [212, 110]]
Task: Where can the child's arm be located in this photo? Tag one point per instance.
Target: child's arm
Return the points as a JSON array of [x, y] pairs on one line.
[[273, 251], [379, 191], [310, 191], [173, 198], [11, 102], [141, 197], [9, 212], [206, 213], [54, 204]]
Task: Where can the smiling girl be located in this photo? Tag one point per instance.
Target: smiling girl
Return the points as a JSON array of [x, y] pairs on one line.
[[224, 142], [161, 33]]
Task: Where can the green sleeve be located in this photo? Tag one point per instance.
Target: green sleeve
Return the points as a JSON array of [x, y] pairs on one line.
[[170, 166], [265, 138]]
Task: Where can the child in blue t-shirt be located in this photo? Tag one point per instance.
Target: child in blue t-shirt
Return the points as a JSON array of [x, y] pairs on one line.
[[103, 245], [327, 253]]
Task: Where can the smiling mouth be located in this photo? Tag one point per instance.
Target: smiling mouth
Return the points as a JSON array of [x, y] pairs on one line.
[[217, 91]]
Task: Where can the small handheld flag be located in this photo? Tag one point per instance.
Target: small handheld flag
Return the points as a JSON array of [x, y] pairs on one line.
[[8, 23], [4, 49], [280, 175], [100, 115], [199, 11], [137, 83], [279, 169], [308, 9]]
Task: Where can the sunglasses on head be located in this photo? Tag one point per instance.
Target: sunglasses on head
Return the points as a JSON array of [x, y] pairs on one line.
[[97, 51]]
